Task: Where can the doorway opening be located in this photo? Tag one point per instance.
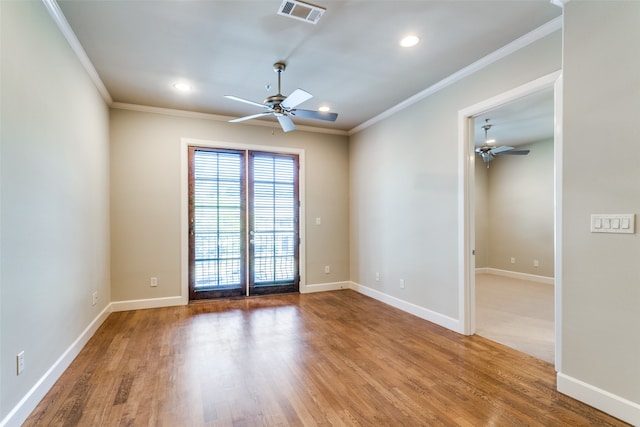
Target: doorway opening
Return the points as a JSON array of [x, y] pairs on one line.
[[492, 236]]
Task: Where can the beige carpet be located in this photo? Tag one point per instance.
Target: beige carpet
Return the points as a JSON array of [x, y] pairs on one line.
[[516, 313]]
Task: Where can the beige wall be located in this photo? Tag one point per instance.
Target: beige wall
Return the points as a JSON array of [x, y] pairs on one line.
[[520, 211], [601, 167], [482, 214], [146, 197], [54, 200], [404, 185]]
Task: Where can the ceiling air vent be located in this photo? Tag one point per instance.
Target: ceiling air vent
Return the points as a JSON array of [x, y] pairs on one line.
[[302, 11]]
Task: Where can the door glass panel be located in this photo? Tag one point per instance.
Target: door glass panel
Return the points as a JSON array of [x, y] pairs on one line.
[[217, 218], [274, 220]]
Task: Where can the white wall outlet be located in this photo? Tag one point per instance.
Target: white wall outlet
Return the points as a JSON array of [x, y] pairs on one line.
[[377, 276], [327, 269], [20, 363], [401, 283], [318, 220], [513, 260], [153, 282], [94, 298], [536, 263]]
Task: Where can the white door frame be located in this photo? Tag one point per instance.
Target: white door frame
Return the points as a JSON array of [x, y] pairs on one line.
[[466, 196]]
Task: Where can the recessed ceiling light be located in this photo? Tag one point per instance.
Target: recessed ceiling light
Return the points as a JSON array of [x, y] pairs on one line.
[[324, 109], [182, 87], [409, 41]]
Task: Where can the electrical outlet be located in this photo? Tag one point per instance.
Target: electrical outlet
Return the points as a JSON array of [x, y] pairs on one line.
[[513, 260], [377, 277], [94, 297], [20, 362], [536, 263], [401, 283], [327, 269], [153, 282]]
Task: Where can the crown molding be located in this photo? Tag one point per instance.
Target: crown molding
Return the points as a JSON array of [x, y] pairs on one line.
[[524, 41], [217, 118], [63, 25], [559, 3]]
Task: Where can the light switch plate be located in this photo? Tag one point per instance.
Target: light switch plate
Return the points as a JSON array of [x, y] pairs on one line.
[[613, 223]]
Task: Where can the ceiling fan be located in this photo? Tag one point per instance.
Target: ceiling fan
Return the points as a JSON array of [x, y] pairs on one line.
[[283, 107], [488, 151]]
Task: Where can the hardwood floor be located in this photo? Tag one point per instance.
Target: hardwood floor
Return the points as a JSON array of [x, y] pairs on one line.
[[324, 359]]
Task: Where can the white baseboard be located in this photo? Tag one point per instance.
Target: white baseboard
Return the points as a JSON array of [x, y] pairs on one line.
[[416, 310], [323, 287], [603, 400], [516, 275], [30, 400], [141, 304]]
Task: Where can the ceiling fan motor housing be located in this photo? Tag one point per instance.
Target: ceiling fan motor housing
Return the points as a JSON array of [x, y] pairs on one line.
[[274, 100]]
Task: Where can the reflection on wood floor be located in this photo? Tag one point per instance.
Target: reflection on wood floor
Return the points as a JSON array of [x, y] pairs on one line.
[[517, 313], [332, 358]]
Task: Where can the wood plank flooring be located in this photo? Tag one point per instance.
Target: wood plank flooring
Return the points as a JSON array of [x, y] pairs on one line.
[[325, 359]]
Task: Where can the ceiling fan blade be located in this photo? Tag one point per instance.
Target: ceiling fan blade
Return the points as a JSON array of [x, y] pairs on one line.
[[254, 116], [286, 123], [499, 150], [297, 97], [246, 101], [515, 153], [318, 115]]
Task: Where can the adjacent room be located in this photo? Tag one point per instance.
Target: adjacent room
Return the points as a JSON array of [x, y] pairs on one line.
[[258, 213], [514, 224]]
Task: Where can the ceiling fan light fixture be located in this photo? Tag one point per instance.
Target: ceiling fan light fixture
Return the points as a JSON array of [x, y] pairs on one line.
[[324, 109], [409, 41]]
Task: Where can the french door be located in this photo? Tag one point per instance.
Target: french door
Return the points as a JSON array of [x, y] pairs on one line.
[[243, 223]]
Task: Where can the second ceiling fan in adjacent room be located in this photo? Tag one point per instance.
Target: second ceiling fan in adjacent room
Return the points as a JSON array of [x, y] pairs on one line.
[[489, 150]]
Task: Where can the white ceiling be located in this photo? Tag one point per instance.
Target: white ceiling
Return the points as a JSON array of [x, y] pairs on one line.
[[525, 120], [350, 60]]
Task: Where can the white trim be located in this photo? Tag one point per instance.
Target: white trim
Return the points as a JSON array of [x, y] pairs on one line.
[[29, 401], [603, 400], [324, 287], [416, 310], [466, 180], [218, 118], [517, 275], [142, 304], [558, 144], [184, 198], [522, 42], [64, 27], [466, 226]]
